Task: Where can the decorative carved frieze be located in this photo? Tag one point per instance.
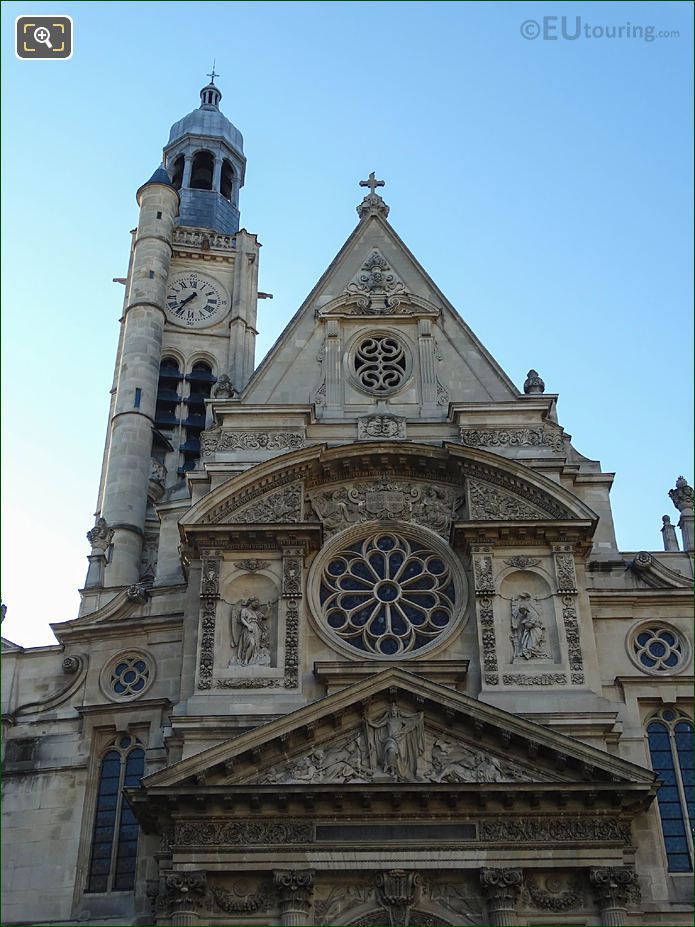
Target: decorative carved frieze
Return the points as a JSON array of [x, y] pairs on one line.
[[291, 679], [381, 427], [251, 566], [538, 679], [428, 504], [482, 571], [522, 563], [513, 437], [253, 682], [206, 240], [484, 589], [490, 503], [554, 830], [255, 832], [219, 439], [241, 900]]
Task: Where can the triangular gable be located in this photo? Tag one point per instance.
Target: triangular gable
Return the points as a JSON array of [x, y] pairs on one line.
[[477, 743], [375, 248]]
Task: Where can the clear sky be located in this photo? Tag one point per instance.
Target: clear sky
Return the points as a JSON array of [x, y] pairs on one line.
[[544, 184]]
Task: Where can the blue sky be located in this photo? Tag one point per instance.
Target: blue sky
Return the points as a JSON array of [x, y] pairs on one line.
[[545, 186]]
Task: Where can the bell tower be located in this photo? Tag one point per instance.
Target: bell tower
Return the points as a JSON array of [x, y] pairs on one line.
[[188, 331]]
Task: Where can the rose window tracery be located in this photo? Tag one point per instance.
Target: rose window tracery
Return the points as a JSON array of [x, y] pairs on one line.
[[658, 649], [388, 595]]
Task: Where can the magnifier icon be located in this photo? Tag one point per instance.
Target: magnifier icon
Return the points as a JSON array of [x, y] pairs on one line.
[[43, 36]]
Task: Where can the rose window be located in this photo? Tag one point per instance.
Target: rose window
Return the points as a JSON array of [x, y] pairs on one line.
[[380, 363], [658, 649], [130, 676], [387, 595]]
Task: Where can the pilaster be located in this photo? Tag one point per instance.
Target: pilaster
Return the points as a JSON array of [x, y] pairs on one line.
[[295, 890], [501, 888], [613, 887]]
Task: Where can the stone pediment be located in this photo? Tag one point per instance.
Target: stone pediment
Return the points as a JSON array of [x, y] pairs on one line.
[[399, 729], [343, 485]]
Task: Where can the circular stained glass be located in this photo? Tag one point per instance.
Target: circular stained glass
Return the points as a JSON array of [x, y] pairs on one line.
[[388, 595], [127, 676], [658, 649]]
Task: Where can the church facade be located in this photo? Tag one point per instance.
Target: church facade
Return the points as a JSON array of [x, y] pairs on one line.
[[356, 645]]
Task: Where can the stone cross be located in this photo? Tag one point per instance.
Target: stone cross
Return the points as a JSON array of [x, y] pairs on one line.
[[372, 183], [212, 75]]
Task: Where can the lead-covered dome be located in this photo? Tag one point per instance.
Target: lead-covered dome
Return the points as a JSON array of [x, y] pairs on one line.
[[207, 120]]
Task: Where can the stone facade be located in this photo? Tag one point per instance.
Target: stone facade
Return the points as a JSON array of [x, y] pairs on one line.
[[376, 658]]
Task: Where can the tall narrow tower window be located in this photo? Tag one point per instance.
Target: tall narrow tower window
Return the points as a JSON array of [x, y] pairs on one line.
[[203, 170], [168, 396]]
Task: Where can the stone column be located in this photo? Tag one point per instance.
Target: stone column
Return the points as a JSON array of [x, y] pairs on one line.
[[100, 537], [187, 170], [128, 469], [501, 888], [613, 888], [217, 175], [295, 888], [331, 361], [668, 533], [682, 498]]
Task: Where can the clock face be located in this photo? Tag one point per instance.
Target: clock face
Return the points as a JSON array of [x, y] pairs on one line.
[[194, 300]]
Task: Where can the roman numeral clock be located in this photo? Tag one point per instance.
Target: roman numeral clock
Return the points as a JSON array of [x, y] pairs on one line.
[[195, 300]]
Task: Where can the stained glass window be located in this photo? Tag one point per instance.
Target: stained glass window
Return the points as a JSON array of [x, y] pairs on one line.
[[670, 736], [115, 838]]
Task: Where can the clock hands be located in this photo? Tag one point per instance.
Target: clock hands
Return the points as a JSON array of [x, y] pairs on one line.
[[187, 300]]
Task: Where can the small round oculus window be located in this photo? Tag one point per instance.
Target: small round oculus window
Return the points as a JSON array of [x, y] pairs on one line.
[[658, 648], [127, 676]]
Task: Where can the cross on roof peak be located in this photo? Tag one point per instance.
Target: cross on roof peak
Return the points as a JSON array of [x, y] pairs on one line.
[[372, 183], [212, 75]]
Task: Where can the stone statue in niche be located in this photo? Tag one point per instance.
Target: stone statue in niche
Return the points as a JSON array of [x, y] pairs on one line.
[[396, 742], [249, 629], [528, 631]]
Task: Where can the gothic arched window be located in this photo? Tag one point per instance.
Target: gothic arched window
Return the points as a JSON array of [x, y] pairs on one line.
[[203, 171], [115, 838], [670, 737]]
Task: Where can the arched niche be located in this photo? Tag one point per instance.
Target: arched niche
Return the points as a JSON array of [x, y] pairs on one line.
[[527, 619]]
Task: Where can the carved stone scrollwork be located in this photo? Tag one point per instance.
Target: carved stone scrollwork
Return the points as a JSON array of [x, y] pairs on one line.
[[522, 563], [250, 566], [284, 505], [183, 896], [101, 535], [490, 503], [397, 891], [566, 576], [512, 437], [292, 576], [294, 888], [614, 888], [209, 594], [217, 439], [291, 680], [380, 427], [484, 590], [137, 593], [71, 665], [501, 888]]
